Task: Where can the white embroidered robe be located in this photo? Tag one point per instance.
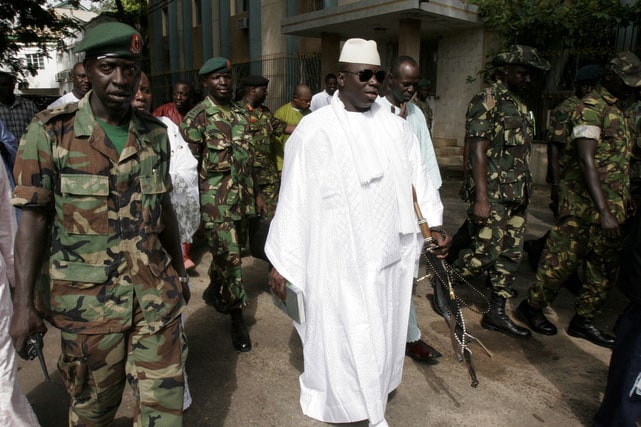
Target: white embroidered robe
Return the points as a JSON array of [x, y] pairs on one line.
[[351, 246]]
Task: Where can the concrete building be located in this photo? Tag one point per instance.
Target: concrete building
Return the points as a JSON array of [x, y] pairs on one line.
[[290, 42], [54, 71]]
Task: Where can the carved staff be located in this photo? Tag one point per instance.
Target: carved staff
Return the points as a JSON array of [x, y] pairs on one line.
[[446, 301]]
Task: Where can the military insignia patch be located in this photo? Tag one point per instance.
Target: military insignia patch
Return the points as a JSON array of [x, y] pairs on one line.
[[135, 44]]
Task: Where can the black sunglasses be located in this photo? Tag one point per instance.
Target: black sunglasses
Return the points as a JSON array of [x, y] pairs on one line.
[[366, 75]]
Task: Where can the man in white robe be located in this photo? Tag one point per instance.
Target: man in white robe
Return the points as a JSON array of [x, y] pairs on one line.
[[401, 81], [14, 407], [346, 234]]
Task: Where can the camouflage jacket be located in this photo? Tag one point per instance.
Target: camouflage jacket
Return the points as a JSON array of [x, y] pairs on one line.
[[633, 114], [105, 253], [559, 130], [598, 113], [262, 126], [221, 140], [502, 118]]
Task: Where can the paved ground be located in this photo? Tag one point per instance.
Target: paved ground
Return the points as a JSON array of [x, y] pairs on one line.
[[556, 381]]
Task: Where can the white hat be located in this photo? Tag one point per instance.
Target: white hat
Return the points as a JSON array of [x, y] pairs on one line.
[[360, 51]]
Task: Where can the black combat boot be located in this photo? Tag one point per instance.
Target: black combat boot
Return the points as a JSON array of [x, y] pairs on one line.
[[535, 319], [582, 327], [497, 320], [213, 296], [239, 332]]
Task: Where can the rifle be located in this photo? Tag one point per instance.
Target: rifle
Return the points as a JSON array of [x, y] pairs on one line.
[[446, 302]]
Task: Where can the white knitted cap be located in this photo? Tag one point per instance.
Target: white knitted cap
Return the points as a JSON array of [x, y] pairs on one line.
[[360, 51]]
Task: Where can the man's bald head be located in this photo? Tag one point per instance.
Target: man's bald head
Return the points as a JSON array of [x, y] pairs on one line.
[[302, 97]]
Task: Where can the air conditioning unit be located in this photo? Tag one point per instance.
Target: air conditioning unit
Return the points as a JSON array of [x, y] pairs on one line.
[[63, 76], [242, 23]]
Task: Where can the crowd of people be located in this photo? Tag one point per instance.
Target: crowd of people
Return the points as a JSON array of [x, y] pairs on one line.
[[119, 192]]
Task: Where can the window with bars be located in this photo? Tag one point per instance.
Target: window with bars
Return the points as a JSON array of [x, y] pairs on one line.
[[35, 60]]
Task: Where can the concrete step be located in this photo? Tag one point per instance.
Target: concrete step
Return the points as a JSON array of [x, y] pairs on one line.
[[450, 161], [444, 142], [449, 151]]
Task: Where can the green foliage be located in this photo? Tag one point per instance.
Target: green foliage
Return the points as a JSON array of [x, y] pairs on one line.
[[129, 7], [567, 32], [30, 23], [554, 26]]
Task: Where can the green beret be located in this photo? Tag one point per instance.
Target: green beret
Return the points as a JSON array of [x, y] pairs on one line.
[[522, 55], [111, 39], [255, 81], [217, 64], [627, 66], [423, 83]]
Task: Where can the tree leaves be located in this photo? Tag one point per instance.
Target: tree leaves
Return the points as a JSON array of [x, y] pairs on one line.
[[556, 25], [31, 23]]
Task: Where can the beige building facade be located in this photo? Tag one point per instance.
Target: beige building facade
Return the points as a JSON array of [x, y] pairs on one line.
[[292, 42]]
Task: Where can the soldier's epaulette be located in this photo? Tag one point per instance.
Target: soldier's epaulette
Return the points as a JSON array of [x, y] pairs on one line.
[[589, 100], [199, 108], [46, 115], [235, 105]]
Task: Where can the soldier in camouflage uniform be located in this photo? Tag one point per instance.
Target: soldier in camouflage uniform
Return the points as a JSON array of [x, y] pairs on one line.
[[93, 180], [422, 91], [559, 134], [633, 114], [263, 125], [594, 197], [499, 131], [217, 131]]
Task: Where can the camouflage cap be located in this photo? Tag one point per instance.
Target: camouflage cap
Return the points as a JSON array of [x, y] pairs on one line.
[[522, 55], [627, 66], [216, 64], [423, 83], [111, 39], [255, 81]]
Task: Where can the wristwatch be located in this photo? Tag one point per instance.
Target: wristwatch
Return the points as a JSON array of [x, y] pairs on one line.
[[183, 279]]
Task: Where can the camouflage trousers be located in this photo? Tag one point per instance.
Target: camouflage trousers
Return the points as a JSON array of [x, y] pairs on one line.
[[573, 245], [269, 193], [496, 247], [94, 369], [225, 270]]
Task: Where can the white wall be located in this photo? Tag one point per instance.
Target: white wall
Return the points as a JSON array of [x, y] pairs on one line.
[[460, 55]]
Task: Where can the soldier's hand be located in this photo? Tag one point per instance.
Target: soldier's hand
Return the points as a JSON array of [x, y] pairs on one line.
[[403, 112], [277, 284], [480, 212], [25, 322], [444, 241], [261, 206], [609, 225]]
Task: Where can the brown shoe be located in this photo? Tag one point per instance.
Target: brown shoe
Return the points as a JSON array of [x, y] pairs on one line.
[[422, 352]]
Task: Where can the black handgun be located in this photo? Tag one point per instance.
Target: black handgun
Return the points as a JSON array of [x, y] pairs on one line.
[[33, 349]]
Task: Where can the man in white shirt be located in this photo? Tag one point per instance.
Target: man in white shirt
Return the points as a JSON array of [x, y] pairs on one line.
[[81, 86], [346, 234], [323, 98], [401, 84]]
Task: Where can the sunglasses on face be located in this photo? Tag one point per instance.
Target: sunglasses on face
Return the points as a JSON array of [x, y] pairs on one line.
[[366, 75]]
